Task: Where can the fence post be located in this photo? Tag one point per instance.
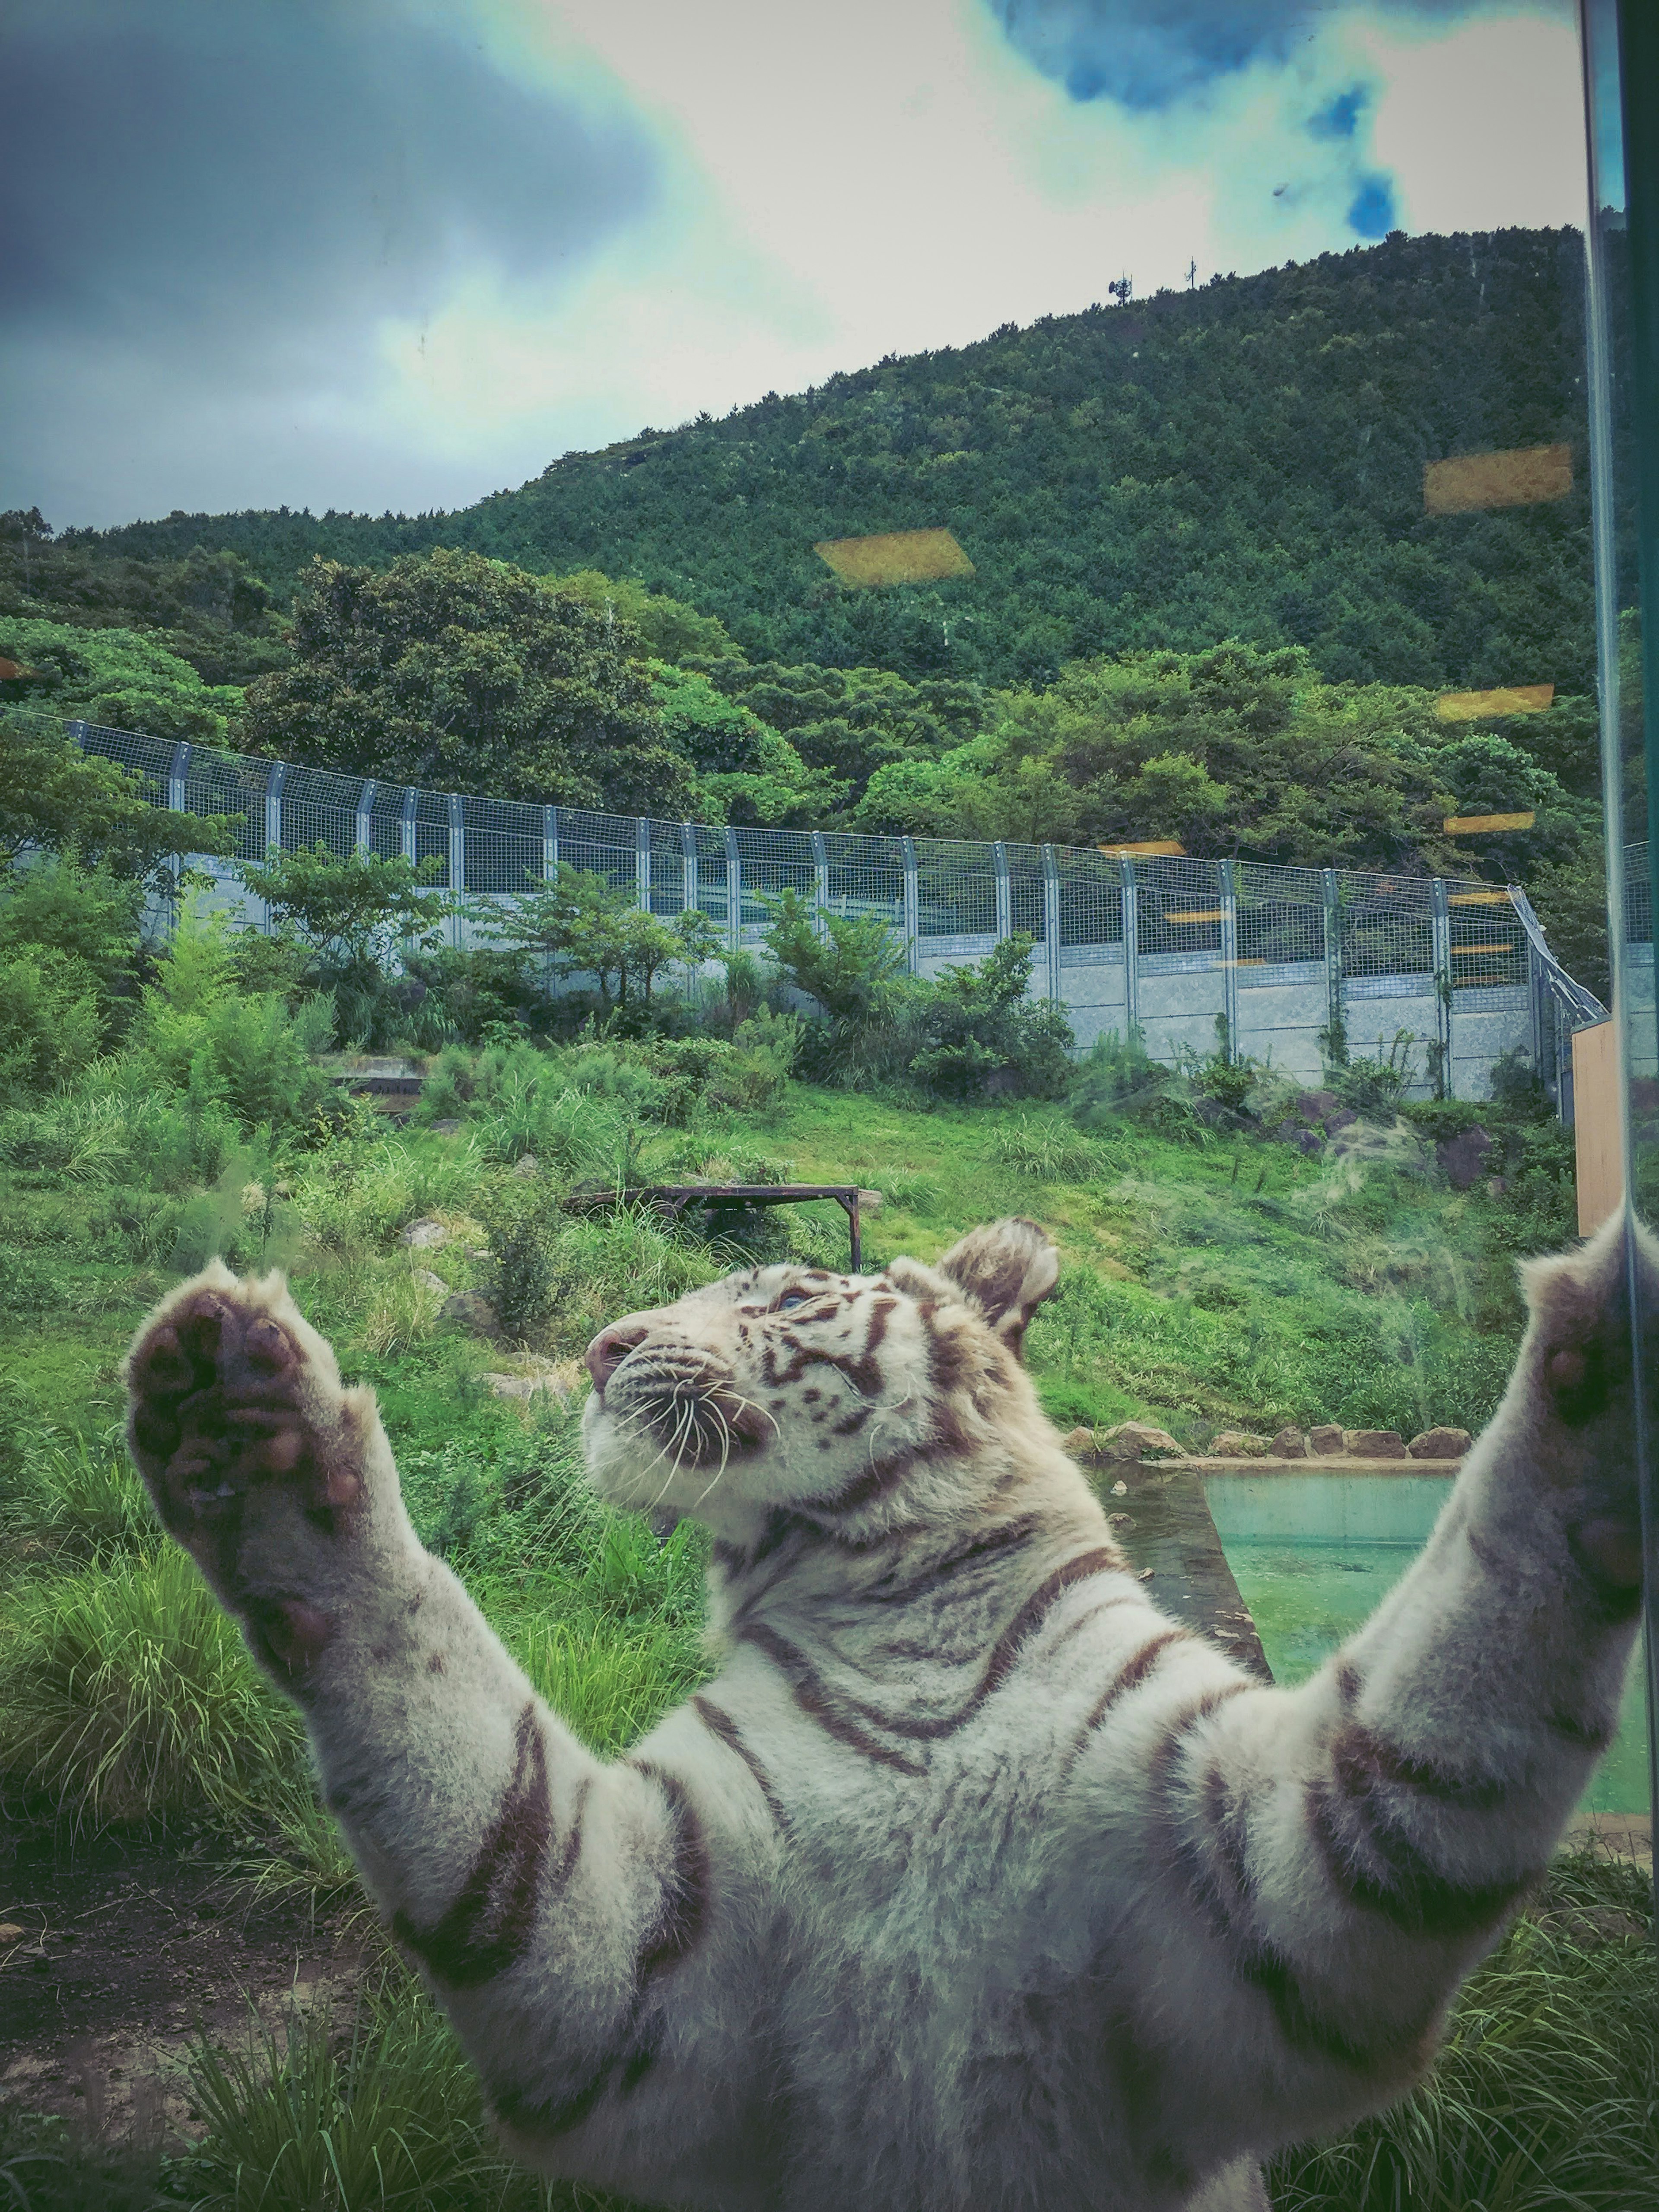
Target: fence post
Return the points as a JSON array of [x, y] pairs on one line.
[[1229, 957], [457, 865], [365, 811], [1005, 891], [912, 908], [274, 783], [1442, 980], [1337, 1029], [688, 866], [412, 799], [820, 885], [77, 732], [1051, 920], [177, 771], [733, 889], [642, 862], [550, 844], [1126, 869]]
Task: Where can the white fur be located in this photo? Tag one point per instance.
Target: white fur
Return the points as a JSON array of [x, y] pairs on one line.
[[1080, 1946]]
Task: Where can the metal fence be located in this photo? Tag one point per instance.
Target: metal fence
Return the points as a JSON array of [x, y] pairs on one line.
[[1274, 963]]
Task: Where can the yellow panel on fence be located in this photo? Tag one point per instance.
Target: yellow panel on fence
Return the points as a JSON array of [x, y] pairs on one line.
[[1514, 478], [1464, 825], [1507, 699], [1478, 898], [1151, 844], [1597, 1138], [897, 557], [1208, 913]]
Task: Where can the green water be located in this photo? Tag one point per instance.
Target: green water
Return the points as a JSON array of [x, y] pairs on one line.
[[1314, 1554]]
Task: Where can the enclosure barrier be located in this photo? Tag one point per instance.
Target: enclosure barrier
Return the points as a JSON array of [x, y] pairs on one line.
[[1277, 964]]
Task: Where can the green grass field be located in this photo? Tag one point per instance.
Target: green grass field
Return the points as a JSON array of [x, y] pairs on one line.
[[1208, 1282]]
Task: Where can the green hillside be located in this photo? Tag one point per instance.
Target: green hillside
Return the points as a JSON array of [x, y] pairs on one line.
[[1242, 460]]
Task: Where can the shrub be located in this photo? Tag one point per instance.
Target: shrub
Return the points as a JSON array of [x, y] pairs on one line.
[[125, 1694], [52, 1021], [844, 960], [983, 1033], [1116, 1081]]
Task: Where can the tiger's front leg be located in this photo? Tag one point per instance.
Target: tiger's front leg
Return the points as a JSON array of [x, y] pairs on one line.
[[559, 1906]]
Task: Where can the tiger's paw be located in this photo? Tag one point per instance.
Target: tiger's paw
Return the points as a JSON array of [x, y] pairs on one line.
[[258, 1461], [1580, 1364]]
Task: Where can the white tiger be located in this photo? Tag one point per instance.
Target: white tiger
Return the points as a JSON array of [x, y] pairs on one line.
[[972, 1880]]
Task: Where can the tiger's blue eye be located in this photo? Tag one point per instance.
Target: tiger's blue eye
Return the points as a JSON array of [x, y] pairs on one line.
[[792, 1298]]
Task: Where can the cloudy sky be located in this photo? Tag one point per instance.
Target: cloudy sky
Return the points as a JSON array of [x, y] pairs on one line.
[[372, 253]]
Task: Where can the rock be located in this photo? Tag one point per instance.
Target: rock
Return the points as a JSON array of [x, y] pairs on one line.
[[1463, 1160], [1336, 1123], [424, 1235], [428, 1281], [1376, 1443], [1440, 1444], [1325, 1441], [1237, 1443], [10, 1932], [1119, 1521], [1305, 1141], [472, 1310], [1289, 1444], [1120, 1489], [525, 1165], [526, 1387], [1311, 1106], [1138, 1440], [1078, 1442], [870, 1202], [447, 1128]]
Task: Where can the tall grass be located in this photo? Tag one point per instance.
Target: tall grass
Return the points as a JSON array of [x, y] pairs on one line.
[[126, 1693], [1546, 2097]]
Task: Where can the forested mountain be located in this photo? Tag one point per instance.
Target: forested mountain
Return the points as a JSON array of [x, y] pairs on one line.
[[1244, 460]]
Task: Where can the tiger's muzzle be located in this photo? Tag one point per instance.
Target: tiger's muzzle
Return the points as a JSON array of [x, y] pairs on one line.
[[681, 1398]]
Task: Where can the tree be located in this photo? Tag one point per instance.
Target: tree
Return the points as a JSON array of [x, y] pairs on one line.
[[846, 968], [667, 628], [582, 925], [744, 770], [56, 799], [355, 912], [117, 677], [449, 670]]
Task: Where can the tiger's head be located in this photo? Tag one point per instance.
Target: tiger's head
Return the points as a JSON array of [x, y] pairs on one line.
[[856, 1401]]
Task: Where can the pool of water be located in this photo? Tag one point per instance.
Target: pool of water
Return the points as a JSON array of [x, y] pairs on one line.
[[1313, 1554]]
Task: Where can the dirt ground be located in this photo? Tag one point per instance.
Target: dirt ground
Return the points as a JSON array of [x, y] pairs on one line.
[[113, 1961]]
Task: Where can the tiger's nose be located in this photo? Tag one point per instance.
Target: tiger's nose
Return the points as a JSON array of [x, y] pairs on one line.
[[611, 1347]]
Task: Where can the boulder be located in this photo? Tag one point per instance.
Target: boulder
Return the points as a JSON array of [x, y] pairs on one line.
[[1463, 1160], [428, 1281], [1313, 1106], [1080, 1442], [1138, 1440], [1237, 1443], [525, 1165], [1440, 1444], [1326, 1440], [424, 1235], [526, 1387], [447, 1128], [472, 1310], [870, 1202], [1376, 1443], [1289, 1444]]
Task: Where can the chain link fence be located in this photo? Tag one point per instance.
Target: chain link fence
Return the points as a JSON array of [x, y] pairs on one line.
[[1284, 965]]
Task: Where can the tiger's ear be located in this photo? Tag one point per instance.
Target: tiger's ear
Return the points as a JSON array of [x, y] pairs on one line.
[[1005, 1270]]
